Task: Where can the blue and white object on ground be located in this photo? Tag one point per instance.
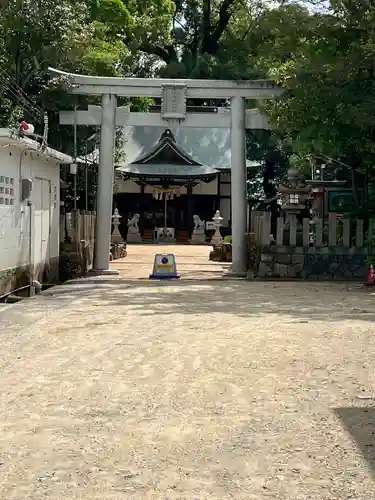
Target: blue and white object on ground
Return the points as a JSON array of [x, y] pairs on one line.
[[164, 267]]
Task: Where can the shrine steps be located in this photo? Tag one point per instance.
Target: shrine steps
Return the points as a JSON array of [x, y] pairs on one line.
[[148, 236], [182, 237]]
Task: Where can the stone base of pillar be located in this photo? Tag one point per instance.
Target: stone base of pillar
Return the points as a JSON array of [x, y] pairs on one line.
[[103, 272], [198, 237], [117, 239], [232, 275], [133, 238]]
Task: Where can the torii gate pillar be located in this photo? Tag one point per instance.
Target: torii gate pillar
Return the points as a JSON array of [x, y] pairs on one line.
[[238, 185], [105, 183]]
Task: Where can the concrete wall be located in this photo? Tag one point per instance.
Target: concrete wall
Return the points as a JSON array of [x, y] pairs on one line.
[[16, 254]]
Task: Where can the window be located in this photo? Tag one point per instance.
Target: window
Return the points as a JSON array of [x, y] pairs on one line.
[[294, 199], [6, 192]]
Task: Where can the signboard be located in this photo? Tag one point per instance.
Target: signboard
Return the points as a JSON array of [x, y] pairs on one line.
[[159, 233], [343, 201], [210, 226], [164, 266]]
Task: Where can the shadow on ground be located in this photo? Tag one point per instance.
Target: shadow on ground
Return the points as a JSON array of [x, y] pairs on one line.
[[301, 302], [360, 422]]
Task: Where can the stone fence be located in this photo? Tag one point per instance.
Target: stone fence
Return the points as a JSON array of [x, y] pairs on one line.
[[313, 250]]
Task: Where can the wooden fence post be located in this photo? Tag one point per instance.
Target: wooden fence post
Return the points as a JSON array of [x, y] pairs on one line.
[[346, 232], [266, 228], [359, 233], [280, 231], [292, 230], [319, 233], [332, 229], [306, 232]]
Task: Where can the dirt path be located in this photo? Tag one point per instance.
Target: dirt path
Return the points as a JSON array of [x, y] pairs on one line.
[[188, 390]]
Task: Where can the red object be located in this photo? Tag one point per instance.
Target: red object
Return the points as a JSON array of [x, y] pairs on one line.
[[370, 275], [24, 125]]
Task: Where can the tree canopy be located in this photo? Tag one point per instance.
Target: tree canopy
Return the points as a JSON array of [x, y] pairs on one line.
[[322, 57]]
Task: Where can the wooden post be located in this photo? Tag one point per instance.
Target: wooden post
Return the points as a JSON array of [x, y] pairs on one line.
[[359, 233], [280, 231], [266, 228], [255, 225], [78, 227], [346, 233], [319, 233], [306, 232], [292, 230], [332, 229]]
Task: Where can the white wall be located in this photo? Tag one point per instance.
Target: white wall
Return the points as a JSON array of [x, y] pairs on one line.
[[225, 210], [127, 186], [15, 215], [206, 187]]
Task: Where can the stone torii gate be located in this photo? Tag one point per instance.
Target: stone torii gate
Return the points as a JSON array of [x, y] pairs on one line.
[[174, 95]]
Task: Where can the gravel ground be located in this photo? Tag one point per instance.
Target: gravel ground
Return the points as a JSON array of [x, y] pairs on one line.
[[202, 389]]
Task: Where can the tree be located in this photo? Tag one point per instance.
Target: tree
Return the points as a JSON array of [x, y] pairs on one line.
[[42, 34], [328, 106]]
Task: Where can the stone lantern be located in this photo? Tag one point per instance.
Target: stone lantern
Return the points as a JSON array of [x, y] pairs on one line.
[[294, 194], [217, 239], [116, 237]]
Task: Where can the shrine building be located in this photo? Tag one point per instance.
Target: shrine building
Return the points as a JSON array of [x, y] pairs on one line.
[[172, 175]]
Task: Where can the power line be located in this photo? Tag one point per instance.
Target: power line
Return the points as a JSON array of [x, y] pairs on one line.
[[12, 89], [15, 92], [11, 82], [13, 95]]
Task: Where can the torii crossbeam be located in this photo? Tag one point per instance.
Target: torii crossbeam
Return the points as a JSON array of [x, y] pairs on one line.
[[174, 95]]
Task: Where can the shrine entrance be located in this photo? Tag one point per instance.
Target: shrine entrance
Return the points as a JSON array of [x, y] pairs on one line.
[[174, 95]]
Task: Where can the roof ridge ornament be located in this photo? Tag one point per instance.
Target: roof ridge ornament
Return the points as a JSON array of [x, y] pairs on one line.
[[167, 134]]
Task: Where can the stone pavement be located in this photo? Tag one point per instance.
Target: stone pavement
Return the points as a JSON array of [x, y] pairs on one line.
[[201, 389]]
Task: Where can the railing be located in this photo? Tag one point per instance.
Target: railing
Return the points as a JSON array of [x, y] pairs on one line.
[[311, 250], [311, 233]]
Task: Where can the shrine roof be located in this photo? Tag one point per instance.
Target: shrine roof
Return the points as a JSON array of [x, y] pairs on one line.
[[167, 159], [207, 146]]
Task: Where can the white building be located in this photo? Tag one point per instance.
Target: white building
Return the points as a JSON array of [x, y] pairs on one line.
[[29, 211]]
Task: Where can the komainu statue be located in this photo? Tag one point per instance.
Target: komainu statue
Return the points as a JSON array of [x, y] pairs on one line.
[[133, 224], [198, 223], [133, 230], [199, 234]]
